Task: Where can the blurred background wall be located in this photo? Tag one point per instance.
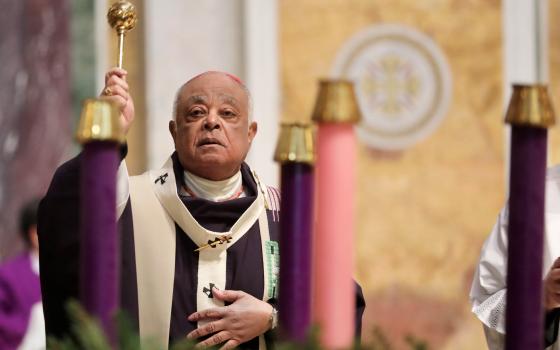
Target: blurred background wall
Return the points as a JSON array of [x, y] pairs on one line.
[[424, 209], [35, 109]]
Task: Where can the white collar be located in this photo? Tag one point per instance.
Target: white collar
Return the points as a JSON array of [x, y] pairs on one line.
[[215, 191]]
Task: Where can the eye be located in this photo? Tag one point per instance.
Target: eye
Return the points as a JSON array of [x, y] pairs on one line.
[[196, 112], [228, 113]]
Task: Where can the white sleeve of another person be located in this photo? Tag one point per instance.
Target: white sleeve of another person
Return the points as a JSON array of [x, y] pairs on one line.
[[34, 338], [488, 290]]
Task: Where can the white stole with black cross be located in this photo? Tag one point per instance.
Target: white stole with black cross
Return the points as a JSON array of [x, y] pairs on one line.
[[156, 207]]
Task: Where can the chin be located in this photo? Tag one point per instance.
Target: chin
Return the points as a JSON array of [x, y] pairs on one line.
[[212, 159]]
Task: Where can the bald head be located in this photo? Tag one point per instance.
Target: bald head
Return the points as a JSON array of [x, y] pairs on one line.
[[211, 127]]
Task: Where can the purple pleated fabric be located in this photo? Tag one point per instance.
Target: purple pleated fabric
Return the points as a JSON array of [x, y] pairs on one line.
[[99, 278], [20, 290], [524, 311], [295, 251]]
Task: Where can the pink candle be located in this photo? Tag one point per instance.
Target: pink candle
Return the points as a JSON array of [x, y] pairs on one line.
[[333, 306], [333, 259]]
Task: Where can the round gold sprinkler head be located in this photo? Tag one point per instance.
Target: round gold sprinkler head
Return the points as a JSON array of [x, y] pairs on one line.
[[122, 16]]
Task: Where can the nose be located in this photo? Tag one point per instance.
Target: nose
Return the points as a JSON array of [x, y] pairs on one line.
[[211, 122]]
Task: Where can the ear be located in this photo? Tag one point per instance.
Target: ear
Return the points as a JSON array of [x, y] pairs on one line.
[[252, 130], [173, 129], [33, 237]]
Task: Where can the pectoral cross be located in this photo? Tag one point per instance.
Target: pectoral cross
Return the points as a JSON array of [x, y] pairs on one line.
[[214, 243], [208, 291], [161, 178]]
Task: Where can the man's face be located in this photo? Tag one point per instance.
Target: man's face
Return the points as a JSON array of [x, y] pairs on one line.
[[211, 131]]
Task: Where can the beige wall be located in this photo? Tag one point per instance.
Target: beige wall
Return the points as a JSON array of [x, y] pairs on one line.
[[423, 212], [554, 53]]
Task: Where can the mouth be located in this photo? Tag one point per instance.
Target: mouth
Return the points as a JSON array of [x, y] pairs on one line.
[[208, 142]]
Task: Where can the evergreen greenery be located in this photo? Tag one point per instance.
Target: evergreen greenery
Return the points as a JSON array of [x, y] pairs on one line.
[[88, 335]]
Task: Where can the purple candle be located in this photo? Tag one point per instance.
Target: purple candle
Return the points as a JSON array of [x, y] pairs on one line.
[[530, 113], [295, 152], [99, 132], [99, 275], [295, 251], [524, 313]]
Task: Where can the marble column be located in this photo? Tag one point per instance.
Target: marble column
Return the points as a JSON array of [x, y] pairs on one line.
[[35, 123]]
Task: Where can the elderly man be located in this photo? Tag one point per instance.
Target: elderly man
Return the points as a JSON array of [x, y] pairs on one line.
[[199, 247]]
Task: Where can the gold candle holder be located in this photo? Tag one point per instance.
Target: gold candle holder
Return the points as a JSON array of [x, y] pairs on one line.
[[122, 17], [99, 121], [336, 103], [530, 105], [295, 144]]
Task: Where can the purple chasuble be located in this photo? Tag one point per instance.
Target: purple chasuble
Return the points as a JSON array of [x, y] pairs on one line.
[[244, 267]]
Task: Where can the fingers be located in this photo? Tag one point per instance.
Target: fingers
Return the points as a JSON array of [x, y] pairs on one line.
[[117, 81], [115, 85], [217, 312], [216, 339], [232, 343], [554, 274], [556, 263], [119, 101], [210, 328], [119, 72], [553, 280], [227, 295], [552, 289], [551, 297], [116, 90]]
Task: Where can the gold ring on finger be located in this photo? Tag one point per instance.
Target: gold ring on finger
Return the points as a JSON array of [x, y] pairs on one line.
[[107, 91]]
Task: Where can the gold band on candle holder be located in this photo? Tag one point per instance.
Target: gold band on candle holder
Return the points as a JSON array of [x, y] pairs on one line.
[[530, 105], [336, 102], [99, 122], [295, 144]]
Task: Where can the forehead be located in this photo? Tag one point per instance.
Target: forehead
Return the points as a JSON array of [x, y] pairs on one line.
[[211, 85]]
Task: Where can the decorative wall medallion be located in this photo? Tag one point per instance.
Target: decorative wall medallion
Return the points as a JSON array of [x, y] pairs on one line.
[[402, 82]]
